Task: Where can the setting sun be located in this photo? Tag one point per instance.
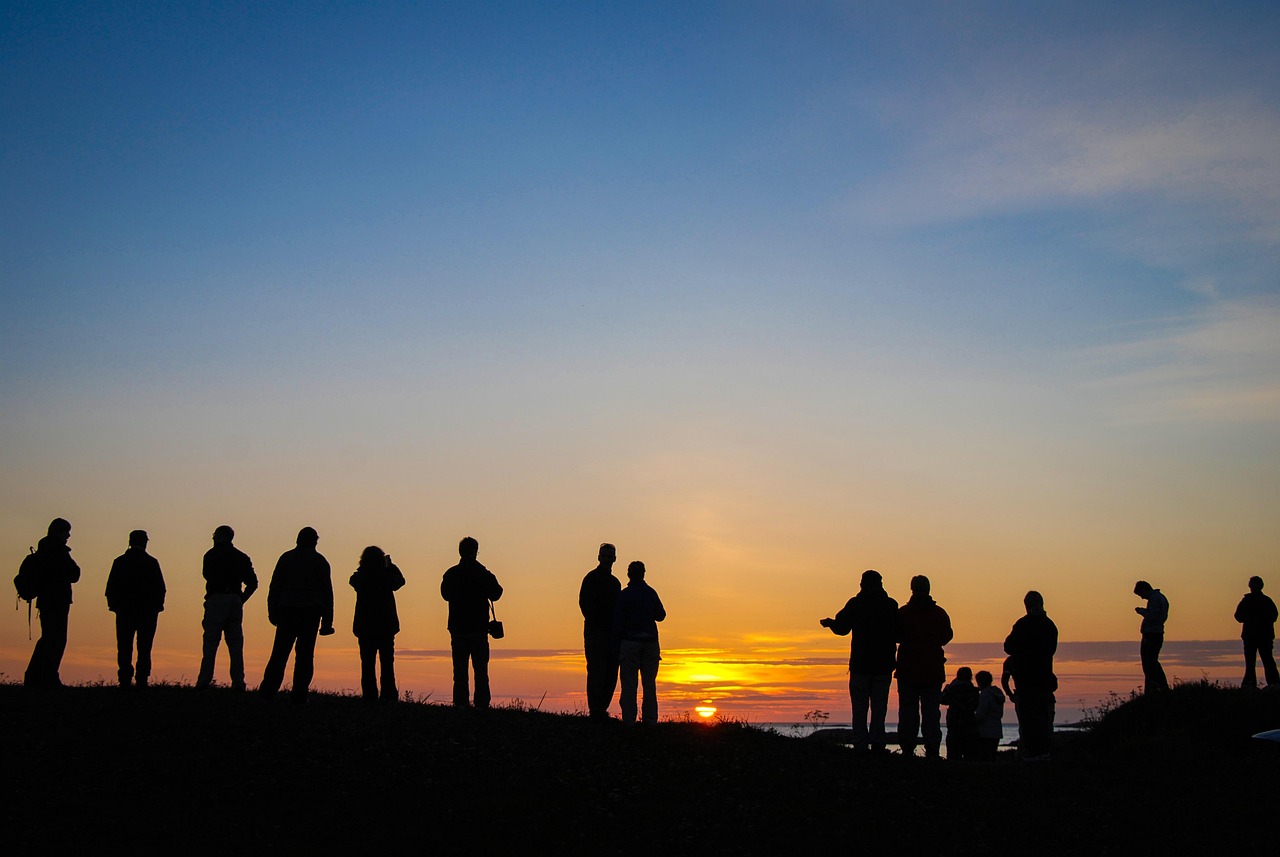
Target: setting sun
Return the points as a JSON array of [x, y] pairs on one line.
[[706, 711]]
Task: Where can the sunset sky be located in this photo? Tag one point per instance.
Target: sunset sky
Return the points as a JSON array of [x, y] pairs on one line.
[[764, 293]]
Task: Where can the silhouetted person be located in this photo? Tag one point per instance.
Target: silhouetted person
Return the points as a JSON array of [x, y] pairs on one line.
[[635, 628], [1257, 613], [229, 582], [925, 629], [300, 605], [469, 588], [1153, 616], [989, 716], [596, 599], [55, 572], [1031, 646], [376, 622], [871, 617], [135, 593], [961, 699]]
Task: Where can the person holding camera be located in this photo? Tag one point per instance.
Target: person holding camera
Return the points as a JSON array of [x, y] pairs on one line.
[[376, 622], [469, 588]]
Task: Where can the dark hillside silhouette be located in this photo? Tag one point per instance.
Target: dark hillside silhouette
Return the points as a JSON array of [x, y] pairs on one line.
[[340, 776]]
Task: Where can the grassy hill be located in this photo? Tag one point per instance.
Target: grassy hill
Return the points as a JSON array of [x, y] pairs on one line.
[[181, 770]]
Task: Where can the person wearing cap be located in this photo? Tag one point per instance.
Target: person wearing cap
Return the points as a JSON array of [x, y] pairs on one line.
[[1154, 615], [1256, 614], [924, 629], [55, 572], [871, 618], [300, 605], [135, 593], [229, 582]]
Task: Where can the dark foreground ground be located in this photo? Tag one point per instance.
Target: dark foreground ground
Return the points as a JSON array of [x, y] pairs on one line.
[[178, 770]]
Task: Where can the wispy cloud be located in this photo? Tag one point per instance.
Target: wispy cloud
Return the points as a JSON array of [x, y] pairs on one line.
[[1222, 364]]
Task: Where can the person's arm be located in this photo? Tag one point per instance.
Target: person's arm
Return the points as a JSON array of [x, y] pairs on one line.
[[160, 590], [945, 633], [493, 589], [113, 585], [842, 624], [395, 577], [326, 595], [249, 579]]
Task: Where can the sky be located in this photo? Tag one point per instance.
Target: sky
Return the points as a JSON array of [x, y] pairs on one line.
[[764, 293]]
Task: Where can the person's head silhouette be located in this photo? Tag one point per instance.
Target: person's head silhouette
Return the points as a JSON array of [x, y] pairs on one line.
[[635, 571], [468, 548]]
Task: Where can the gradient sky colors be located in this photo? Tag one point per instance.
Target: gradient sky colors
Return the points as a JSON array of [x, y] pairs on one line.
[[764, 293]]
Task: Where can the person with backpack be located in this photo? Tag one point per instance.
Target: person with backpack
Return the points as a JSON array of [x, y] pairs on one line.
[[45, 579], [135, 593]]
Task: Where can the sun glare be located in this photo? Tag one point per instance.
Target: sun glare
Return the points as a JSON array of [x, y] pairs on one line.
[[706, 710]]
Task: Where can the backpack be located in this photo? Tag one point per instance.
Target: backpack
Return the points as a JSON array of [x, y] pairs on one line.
[[27, 581]]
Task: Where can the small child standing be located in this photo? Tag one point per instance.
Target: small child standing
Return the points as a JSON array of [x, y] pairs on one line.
[[961, 699], [989, 716]]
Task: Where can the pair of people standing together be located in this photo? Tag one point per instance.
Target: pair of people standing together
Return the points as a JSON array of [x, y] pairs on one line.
[[620, 638]]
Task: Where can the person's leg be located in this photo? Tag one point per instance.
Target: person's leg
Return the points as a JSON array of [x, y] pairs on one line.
[[146, 637], [480, 662], [651, 656], [233, 632], [1152, 672], [212, 625], [368, 669], [1269, 663], [461, 678], [908, 716], [1250, 665], [304, 657], [273, 675], [860, 699], [55, 631], [125, 629], [602, 675], [387, 654], [931, 718], [628, 672], [879, 699]]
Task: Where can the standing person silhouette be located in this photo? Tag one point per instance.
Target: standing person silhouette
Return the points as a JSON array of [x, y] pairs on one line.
[[871, 617], [1257, 614], [596, 600], [469, 587], [376, 622], [135, 593], [55, 571], [226, 570], [1030, 646], [635, 628], [925, 629], [300, 605], [1154, 615]]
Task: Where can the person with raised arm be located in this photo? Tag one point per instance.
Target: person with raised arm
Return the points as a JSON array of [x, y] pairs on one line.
[[871, 620], [376, 621]]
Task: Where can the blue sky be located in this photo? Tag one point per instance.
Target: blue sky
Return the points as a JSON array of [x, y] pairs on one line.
[[766, 293]]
